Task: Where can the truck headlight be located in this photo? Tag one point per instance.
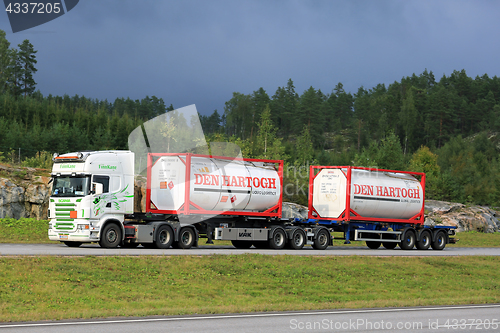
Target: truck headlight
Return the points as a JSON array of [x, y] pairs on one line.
[[82, 226]]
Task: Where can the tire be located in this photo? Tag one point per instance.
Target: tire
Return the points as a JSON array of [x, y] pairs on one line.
[[390, 245], [164, 237], [111, 236], [261, 245], [298, 240], [373, 244], [241, 244], [425, 240], [278, 240], [73, 244], [439, 242], [408, 241], [322, 240], [186, 238]]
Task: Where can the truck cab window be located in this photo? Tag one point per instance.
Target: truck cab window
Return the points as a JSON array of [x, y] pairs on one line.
[[69, 186], [104, 180]]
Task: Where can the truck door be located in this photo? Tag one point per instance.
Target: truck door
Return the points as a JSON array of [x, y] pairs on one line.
[[101, 202]]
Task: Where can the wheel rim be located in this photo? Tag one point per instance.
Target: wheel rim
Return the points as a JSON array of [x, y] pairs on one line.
[[164, 237], [278, 238], [323, 239], [298, 239], [426, 240], [410, 239], [186, 237], [111, 236]]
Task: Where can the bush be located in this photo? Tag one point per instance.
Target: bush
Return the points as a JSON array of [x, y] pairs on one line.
[[42, 160]]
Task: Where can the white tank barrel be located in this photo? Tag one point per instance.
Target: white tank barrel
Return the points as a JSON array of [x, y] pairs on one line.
[[373, 194], [215, 185]]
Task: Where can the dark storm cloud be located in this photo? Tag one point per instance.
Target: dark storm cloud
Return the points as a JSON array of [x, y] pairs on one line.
[[202, 51]]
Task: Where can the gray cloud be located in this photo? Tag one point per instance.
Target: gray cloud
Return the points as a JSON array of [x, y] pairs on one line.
[[202, 51]]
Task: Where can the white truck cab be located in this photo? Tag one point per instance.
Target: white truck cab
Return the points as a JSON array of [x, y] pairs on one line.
[[91, 193]]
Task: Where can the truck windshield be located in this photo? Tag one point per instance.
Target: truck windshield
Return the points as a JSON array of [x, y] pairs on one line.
[[68, 186]]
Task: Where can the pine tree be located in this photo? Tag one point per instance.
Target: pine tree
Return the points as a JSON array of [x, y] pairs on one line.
[[6, 62], [268, 146], [25, 64]]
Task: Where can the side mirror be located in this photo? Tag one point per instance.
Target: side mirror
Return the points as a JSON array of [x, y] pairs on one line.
[[97, 188]]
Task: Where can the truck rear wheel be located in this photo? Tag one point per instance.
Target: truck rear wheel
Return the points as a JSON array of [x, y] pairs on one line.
[[322, 240], [186, 238], [373, 244], [390, 245], [164, 237], [439, 242], [111, 236], [261, 244], [241, 244], [408, 241], [278, 240], [298, 239], [425, 240]]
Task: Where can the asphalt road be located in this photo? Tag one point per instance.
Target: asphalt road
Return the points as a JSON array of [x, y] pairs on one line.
[[467, 318], [59, 249]]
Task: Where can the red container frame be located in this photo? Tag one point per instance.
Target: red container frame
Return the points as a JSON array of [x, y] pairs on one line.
[[192, 208], [349, 214]]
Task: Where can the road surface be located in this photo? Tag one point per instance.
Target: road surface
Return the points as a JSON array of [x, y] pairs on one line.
[[59, 249], [467, 318]]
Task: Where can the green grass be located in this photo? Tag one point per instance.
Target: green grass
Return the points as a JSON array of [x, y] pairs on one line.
[[40, 288], [26, 230], [477, 239]]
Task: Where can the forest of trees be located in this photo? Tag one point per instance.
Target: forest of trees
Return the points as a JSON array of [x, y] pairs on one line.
[[447, 128]]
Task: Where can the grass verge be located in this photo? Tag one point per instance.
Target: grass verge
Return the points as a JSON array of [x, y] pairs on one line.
[[39, 288], [477, 239], [26, 230]]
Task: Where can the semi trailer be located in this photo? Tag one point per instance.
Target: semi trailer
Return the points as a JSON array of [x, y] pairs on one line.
[[380, 207], [190, 196]]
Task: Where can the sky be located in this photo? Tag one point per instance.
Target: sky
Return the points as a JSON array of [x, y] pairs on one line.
[[200, 52]]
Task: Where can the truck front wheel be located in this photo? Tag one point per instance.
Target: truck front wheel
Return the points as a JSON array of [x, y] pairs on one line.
[[111, 236]]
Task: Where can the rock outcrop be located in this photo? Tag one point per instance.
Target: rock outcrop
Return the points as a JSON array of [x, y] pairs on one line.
[[292, 210], [23, 194], [465, 218]]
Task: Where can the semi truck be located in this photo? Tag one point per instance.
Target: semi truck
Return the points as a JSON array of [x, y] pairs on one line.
[[188, 196]]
